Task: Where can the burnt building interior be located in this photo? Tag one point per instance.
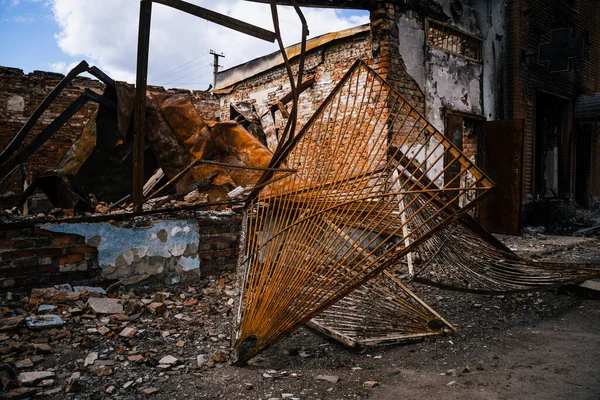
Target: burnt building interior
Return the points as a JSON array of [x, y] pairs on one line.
[[319, 184]]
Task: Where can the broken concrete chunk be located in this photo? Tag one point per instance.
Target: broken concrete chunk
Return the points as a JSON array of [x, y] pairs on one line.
[[45, 308], [103, 330], [53, 296], [90, 359], [46, 383], [94, 289], [167, 362], [26, 363], [44, 321], [31, 378], [157, 308], [9, 323], [104, 305], [128, 332], [201, 359], [148, 390], [328, 378]]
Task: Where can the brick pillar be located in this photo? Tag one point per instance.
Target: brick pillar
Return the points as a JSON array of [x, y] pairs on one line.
[[387, 60]]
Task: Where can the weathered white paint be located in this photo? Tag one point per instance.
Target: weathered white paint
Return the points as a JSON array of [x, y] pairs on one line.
[[132, 254]]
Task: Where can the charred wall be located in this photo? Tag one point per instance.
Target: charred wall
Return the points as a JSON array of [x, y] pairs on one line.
[[20, 94], [531, 23]]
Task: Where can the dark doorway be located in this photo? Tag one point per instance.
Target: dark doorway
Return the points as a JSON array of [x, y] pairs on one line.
[[551, 147], [501, 155]]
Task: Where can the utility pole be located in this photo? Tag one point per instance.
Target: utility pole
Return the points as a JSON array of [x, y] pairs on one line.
[[216, 67]]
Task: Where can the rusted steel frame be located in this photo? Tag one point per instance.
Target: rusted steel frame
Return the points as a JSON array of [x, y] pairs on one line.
[[372, 272], [220, 19], [302, 156], [54, 126], [289, 96], [140, 103], [290, 127], [285, 150], [20, 136], [258, 279]]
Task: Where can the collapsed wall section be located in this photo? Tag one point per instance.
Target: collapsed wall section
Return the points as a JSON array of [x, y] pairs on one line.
[[130, 250]]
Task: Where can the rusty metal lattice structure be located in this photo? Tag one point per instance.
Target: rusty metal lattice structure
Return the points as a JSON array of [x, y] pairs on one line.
[[344, 216], [382, 311]]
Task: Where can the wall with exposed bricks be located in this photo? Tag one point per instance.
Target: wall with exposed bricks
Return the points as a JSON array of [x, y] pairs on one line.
[[35, 256]]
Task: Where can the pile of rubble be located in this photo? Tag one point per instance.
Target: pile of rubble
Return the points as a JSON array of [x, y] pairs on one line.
[[133, 341]]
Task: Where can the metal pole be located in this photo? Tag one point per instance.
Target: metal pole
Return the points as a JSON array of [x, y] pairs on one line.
[[140, 103], [215, 66]]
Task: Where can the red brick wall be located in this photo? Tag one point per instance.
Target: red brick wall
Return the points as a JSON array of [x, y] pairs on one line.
[[327, 64], [529, 24], [31, 256]]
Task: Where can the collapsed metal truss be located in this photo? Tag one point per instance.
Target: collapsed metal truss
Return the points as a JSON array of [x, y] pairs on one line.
[[349, 211]]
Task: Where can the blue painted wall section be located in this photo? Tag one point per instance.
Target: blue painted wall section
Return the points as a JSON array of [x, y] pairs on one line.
[[134, 254]]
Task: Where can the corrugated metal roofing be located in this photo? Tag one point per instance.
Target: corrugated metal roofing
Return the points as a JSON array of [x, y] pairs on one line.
[[587, 107], [244, 71]]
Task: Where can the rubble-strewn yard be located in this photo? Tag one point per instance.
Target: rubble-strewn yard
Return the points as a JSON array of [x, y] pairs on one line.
[[172, 342]]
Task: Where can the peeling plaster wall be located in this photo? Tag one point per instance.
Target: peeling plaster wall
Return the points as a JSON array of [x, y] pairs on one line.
[[452, 82], [411, 43], [133, 254]]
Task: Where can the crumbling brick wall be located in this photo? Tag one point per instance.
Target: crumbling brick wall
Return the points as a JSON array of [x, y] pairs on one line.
[[32, 255], [328, 64], [20, 95]]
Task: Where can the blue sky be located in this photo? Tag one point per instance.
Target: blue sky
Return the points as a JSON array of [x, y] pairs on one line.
[[28, 30], [55, 34]]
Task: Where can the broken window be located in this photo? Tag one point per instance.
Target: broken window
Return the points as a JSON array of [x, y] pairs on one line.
[[452, 40]]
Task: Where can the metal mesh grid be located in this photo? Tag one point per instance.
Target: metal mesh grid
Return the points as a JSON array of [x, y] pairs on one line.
[[363, 160]]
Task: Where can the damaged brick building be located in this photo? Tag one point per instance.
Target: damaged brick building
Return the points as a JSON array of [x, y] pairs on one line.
[[475, 69], [482, 72]]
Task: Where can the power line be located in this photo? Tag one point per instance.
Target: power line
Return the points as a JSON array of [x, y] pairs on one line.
[[188, 83], [188, 74], [178, 68]]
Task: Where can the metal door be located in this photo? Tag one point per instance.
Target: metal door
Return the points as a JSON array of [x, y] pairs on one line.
[[501, 159]]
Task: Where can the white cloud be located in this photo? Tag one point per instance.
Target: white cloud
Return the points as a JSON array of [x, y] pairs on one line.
[[105, 33]]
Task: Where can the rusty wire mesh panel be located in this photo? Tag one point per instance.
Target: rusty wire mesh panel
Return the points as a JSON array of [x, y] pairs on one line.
[[461, 256], [343, 217], [382, 311]]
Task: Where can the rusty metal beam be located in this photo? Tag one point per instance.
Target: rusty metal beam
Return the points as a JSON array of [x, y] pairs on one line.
[[220, 19], [140, 102]]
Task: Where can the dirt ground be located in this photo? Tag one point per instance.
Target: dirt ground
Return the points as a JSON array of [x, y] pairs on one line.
[[543, 345]]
